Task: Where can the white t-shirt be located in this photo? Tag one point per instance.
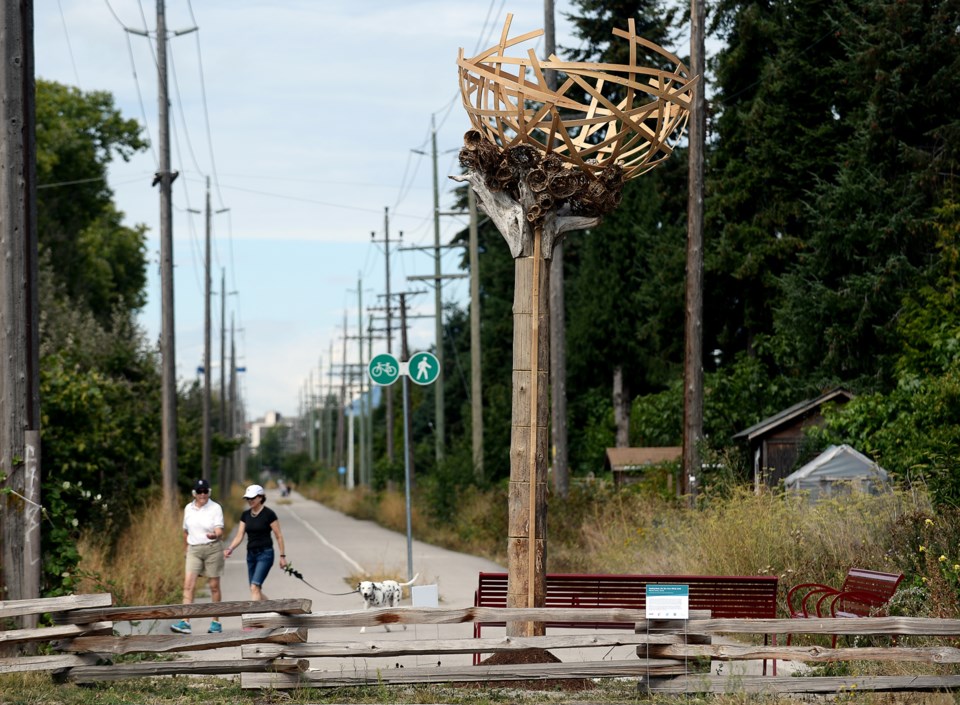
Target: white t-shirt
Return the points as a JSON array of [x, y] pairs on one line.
[[198, 522]]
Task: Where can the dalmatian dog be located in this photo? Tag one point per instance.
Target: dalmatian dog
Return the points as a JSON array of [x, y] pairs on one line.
[[383, 594]]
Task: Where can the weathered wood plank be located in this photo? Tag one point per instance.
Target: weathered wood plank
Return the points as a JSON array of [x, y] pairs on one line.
[[730, 652], [19, 608], [164, 643], [368, 649], [203, 609], [707, 683], [49, 662], [410, 615], [457, 674], [114, 672], [66, 631], [903, 626]]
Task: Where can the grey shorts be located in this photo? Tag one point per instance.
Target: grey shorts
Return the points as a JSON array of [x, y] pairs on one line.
[[206, 559]]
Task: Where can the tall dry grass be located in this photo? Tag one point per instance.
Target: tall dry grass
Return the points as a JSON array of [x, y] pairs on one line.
[[598, 529], [146, 565]]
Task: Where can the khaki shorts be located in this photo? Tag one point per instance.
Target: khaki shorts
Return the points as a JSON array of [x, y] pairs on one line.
[[206, 559]]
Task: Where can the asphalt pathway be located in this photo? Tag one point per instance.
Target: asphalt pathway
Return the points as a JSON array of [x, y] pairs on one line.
[[333, 551]]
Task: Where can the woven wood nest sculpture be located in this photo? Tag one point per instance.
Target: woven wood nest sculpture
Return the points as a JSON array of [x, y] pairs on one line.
[[576, 145]]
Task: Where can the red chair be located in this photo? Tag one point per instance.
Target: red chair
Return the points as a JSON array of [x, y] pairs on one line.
[[864, 593]]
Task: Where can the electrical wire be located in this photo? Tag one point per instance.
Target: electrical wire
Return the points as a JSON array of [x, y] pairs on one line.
[[66, 34]]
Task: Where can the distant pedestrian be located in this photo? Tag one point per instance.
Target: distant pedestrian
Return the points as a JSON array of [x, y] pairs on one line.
[[257, 522], [202, 538]]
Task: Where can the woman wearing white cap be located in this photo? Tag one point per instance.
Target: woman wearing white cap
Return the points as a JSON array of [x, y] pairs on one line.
[[257, 522]]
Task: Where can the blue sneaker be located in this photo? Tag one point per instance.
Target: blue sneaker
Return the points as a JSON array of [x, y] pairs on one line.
[[215, 628], [181, 627]]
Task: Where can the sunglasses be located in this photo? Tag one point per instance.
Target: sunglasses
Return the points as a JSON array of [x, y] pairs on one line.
[[203, 491]]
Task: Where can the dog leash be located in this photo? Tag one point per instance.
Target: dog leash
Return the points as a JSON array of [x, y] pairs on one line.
[[290, 570]]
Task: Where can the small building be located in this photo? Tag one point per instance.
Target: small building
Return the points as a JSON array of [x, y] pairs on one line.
[[774, 443], [838, 470], [626, 463]]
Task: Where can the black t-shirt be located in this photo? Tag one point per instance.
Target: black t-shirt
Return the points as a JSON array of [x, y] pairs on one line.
[[258, 528]]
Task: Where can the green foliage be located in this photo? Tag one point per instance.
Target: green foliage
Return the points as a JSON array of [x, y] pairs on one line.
[[98, 262], [99, 419]]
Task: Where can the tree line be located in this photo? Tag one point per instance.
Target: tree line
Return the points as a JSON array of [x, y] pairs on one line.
[[831, 258], [830, 254]]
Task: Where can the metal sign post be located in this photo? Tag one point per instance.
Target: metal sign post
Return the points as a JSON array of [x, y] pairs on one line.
[[423, 368]]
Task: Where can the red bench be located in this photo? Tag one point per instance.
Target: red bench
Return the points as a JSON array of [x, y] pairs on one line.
[[751, 596], [864, 593]]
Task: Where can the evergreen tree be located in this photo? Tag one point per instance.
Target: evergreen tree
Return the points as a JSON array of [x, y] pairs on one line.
[[874, 221]]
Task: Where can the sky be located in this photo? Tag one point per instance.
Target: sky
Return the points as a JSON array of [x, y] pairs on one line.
[[310, 117]]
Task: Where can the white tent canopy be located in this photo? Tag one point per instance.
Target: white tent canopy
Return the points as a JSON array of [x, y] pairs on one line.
[[837, 470]]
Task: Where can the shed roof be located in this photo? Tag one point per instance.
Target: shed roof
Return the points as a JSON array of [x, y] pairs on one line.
[[836, 463], [793, 412], [628, 458]]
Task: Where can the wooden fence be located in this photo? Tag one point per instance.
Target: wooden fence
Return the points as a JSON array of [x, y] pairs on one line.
[[275, 650]]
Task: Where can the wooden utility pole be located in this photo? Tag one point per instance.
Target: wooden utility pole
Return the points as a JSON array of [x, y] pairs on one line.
[[389, 390], [19, 316], [207, 372], [558, 316], [364, 472], [405, 380], [439, 425], [224, 483], [232, 423], [168, 360], [693, 333], [476, 377]]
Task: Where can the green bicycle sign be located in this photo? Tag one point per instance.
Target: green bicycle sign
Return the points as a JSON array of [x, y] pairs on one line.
[[384, 369]]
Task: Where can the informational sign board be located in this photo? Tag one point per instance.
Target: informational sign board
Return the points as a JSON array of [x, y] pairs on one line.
[[668, 601]]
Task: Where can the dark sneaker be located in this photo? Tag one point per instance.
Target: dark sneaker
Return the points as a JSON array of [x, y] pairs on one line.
[[181, 627], [215, 628]]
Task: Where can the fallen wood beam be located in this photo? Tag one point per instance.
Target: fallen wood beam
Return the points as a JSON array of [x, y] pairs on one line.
[[373, 649], [729, 652], [193, 667], [461, 674], [631, 619], [49, 662], [67, 631], [903, 626], [19, 608], [202, 609], [779, 684], [171, 643]]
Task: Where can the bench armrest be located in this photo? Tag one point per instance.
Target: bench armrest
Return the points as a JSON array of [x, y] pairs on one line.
[[799, 596]]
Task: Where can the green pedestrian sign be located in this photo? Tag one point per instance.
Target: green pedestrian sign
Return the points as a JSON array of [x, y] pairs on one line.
[[384, 369], [423, 368]]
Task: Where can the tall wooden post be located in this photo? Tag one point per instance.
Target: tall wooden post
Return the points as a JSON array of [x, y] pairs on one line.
[[538, 174], [19, 318]]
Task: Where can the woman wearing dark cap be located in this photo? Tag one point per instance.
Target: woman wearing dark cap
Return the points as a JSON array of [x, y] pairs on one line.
[[257, 522]]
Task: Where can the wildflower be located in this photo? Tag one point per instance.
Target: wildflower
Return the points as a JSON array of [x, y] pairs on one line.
[[923, 549], [76, 523], [924, 579], [66, 484], [956, 566], [942, 558], [929, 522]]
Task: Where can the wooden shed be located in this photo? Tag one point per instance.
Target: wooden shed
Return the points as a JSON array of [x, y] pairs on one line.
[[774, 443], [626, 463]]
